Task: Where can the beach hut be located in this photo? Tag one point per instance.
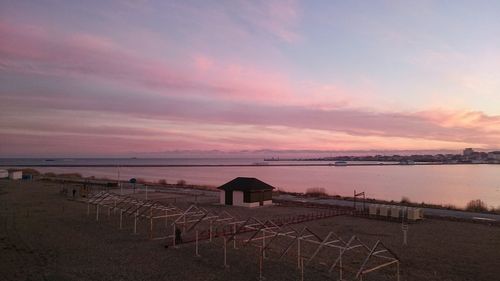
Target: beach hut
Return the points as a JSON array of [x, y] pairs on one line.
[[4, 174], [15, 175], [395, 212], [247, 192], [384, 210], [373, 209], [415, 214]]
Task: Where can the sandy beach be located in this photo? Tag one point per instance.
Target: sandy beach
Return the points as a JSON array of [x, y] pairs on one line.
[[46, 236]]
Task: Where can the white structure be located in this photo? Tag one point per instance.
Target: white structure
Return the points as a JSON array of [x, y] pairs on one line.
[[15, 175], [4, 174]]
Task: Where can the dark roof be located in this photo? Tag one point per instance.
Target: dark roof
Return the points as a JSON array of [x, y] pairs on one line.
[[246, 184]]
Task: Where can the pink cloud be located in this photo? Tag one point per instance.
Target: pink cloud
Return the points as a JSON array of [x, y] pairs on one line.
[[89, 55], [276, 17]]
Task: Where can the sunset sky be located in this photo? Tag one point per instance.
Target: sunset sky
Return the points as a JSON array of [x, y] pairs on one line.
[[116, 78]]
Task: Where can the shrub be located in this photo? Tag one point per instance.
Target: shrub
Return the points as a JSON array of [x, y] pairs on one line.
[[181, 182], [30, 171], [476, 206], [405, 200], [316, 192], [141, 180], [450, 207], [50, 174], [162, 182]]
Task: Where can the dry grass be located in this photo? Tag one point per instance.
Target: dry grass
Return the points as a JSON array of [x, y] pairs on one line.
[[316, 192], [476, 206]]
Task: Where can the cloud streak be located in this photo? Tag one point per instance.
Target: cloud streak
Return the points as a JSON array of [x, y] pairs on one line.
[[233, 75]]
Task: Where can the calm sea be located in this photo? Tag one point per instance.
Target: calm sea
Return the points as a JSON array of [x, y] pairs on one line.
[[441, 184]]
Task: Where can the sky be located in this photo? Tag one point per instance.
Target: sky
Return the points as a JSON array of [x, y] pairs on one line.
[[111, 78]]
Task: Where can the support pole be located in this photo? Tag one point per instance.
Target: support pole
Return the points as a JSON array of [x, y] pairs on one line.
[[109, 212], [234, 238], [88, 206], [404, 227]]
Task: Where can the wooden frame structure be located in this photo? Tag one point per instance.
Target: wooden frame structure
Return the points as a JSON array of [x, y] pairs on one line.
[[263, 234]]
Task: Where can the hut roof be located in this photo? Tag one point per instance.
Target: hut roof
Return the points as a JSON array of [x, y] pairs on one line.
[[246, 184]]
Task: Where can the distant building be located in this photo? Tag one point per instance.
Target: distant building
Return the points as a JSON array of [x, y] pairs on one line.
[[468, 152], [15, 175], [247, 192], [4, 174], [495, 155]]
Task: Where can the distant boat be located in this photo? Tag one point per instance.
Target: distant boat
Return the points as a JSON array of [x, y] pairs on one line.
[[407, 162], [260, 164], [49, 160], [340, 163]]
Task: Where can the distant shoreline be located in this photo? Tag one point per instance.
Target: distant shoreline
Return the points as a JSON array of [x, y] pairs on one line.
[[231, 165]]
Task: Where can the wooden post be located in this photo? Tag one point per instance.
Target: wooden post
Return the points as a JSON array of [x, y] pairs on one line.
[[97, 212], [210, 231], [340, 264], [121, 219], [302, 269], [166, 218], [197, 254], [151, 223], [263, 244], [404, 227], [135, 222], [88, 206], [173, 236], [260, 263], [184, 225], [397, 267], [298, 252], [225, 252], [109, 212]]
